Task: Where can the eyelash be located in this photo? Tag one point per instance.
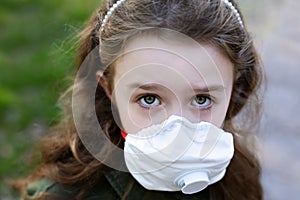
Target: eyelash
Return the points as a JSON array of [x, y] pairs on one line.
[[142, 104], [207, 98], [142, 97]]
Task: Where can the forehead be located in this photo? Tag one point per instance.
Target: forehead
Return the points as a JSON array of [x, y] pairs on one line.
[[156, 59]]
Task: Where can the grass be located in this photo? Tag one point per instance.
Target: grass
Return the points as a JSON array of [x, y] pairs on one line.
[[36, 55]]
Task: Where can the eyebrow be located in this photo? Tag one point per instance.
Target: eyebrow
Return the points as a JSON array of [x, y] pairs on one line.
[[196, 88], [146, 86], [217, 88]]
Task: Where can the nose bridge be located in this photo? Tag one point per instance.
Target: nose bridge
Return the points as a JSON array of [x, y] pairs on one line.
[[175, 105], [177, 110], [179, 103], [180, 108]]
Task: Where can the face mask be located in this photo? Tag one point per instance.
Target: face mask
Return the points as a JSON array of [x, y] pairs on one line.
[[178, 155]]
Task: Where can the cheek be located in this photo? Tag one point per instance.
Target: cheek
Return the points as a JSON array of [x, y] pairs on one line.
[[131, 119], [220, 110], [218, 115], [129, 112]]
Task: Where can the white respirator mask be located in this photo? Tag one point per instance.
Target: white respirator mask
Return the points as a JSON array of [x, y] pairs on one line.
[[177, 155]]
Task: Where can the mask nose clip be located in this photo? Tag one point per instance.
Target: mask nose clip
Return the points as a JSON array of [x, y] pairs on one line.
[[192, 182]]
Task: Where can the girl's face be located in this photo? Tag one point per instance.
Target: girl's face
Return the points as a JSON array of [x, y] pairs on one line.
[[156, 78]]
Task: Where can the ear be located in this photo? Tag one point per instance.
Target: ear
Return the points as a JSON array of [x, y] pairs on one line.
[[104, 83]]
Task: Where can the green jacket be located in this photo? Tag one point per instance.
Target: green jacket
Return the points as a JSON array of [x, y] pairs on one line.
[[111, 187]]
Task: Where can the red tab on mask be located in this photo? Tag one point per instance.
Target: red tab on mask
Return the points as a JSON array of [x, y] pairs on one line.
[[124, 134]]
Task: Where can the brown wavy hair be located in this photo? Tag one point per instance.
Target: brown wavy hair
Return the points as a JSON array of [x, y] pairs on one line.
[[65, 160]]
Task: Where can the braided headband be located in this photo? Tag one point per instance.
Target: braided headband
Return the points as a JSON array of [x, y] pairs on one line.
[[119, 2]]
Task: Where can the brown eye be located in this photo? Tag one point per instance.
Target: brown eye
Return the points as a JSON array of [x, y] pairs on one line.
[[149, 101], [201, 101]]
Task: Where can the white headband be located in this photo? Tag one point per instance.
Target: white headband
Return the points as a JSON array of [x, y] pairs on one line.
[[109, 13], [235, 11], [119, 2]]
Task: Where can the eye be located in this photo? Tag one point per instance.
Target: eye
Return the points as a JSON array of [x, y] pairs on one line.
[[149, 101], [202, 101]]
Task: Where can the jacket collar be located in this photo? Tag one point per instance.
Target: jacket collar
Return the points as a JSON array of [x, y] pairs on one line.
[[119, 181]]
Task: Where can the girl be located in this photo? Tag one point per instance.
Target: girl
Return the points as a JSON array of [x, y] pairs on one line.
[[148, 67]]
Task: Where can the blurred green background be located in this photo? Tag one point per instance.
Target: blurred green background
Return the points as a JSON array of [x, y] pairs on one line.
[[36, 54]]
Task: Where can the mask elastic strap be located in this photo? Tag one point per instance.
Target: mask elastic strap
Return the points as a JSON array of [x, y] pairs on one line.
[[124, 134]]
